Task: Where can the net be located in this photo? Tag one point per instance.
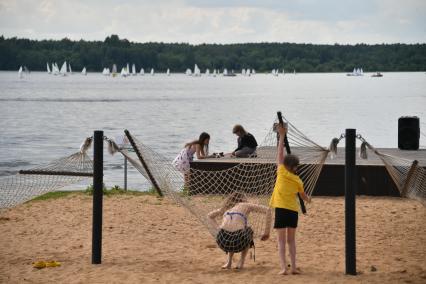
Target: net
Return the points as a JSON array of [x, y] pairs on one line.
[[408, 176], [57, 174], [207, 193]]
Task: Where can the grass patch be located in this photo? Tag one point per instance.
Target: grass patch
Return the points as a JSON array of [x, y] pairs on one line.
[[54, 195], [115, 190]]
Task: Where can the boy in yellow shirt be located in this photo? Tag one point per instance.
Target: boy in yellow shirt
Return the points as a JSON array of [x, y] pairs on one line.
[[285, 201]]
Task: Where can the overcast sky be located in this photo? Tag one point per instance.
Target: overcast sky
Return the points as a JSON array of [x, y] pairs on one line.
[[219, 21]]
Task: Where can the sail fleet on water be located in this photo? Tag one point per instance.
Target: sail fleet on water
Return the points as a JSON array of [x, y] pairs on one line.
[[127, 71], [195, 72]]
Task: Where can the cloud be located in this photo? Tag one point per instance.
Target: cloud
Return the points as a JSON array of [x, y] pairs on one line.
[[220, 21]]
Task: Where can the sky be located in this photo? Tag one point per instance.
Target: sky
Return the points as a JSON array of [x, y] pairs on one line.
[[220, 21]]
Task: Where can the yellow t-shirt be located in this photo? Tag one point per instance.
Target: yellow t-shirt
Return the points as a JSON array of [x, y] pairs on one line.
[[285, 190]]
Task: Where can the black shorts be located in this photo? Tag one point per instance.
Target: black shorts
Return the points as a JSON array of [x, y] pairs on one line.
[[235, 241], [285, 218]]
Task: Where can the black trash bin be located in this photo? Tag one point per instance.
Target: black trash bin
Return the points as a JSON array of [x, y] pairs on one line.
[[408, 133]]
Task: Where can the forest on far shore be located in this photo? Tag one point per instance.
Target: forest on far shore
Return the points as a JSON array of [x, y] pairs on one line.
[[262, 57]]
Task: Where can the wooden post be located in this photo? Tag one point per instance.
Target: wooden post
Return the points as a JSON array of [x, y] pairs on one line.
[[151, 177]]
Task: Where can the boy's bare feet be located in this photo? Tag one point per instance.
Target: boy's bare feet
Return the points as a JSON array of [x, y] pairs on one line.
[[296, 271]]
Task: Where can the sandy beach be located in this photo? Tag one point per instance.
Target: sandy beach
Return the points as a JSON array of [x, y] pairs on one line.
[[152, 240]]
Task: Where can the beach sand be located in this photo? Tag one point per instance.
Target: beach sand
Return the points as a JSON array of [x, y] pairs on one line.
[[150, 240]]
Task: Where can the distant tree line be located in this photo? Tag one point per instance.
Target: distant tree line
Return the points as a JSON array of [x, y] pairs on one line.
[[263, 57]]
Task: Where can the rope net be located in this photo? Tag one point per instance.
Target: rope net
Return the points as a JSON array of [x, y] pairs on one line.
[[408, 176], [205, 193], [28, 184]]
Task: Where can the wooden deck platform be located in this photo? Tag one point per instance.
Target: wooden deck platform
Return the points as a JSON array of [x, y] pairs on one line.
[[373, 179]]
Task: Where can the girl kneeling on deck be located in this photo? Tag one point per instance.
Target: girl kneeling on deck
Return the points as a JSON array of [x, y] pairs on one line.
[[285, 201], [234, 234]]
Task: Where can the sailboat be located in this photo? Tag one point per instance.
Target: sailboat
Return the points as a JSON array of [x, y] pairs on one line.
[[356, 72], [197, 71], [142, 72], [253, 71], [152, 71], [214, 72], [188, 72], [133, 70], [83, 72], [48, 68], [114, 70], [69, 68], [63, 70], [20, 74], [248, 72], [243, 72], [55, 69], [225, 72], [124, 72], [168, 72], [207, 72]]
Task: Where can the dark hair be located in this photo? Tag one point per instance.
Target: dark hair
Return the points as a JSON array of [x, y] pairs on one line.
[[203, 137], [233, 199], [291, 161], [239, 129]]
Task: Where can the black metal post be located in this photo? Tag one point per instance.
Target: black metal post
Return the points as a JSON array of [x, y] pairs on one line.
[[350, 191], [98, 164], [125, 173]]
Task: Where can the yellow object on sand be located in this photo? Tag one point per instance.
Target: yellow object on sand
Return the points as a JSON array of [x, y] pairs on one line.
[[43, 264]]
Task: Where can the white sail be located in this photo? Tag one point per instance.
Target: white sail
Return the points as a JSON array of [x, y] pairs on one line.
[[152, 71], [207, 72], [63, 70], [253, 72], [133, 70], [243, 72], [20, 74], [168, 72], [123, 72], [197, 71], [69, 65], [83, 72], [55, 69], [48, 68], [188, 72], [127, 69], [248, 72], [225, 72], [142, 72]]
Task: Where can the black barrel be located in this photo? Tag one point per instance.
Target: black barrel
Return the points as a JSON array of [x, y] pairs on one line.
[[408, 133]]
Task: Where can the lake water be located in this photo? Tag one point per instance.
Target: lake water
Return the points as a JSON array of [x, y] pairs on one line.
[[45, 117]]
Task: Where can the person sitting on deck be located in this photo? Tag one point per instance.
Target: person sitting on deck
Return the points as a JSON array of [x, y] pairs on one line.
[[235, 234], [246, 142]]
